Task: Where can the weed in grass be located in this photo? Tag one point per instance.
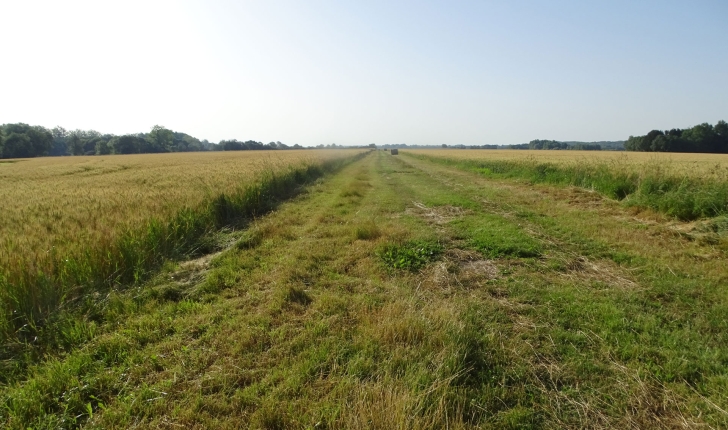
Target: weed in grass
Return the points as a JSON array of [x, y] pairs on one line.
[[412, 255]]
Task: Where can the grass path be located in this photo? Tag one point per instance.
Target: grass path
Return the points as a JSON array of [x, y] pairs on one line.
[[630, 298], [399, 293]]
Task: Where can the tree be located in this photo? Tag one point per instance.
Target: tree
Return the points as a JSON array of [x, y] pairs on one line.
[[25, 141], [547, 144], [103, 147], [647, 141], [632, 143], [17, 145], [231, 145], [75, 142], [128, 144], [184, 143], [700, 138], [659, 143], [59, 146], [721, 131], [160, 139]]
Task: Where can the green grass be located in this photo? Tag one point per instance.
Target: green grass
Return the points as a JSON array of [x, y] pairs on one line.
[[495, 236], [412, 255], [365, 303], [684, 197]]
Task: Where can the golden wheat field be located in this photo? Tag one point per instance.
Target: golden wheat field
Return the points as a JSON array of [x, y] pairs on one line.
[[704, 166], [66, 202]]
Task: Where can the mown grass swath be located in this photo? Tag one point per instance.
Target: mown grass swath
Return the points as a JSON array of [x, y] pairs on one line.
[[35, 293], [655, 184], [402, 293]]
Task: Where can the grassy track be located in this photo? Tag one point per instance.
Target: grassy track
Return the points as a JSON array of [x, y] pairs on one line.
[[683, 186], [402, 293], [43, 290]]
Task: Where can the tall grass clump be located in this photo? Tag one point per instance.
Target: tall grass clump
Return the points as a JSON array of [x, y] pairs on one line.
[[660, 185], [36, 294]]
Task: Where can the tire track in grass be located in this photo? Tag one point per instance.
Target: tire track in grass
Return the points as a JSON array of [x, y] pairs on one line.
[[146, 341], [298, 324], [654, 335], [318, 323], [302, 325]]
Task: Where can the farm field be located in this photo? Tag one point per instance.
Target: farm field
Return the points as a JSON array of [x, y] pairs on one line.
[[71, 202], [685, 163], [683, 186], [407, 292], [72, 226]]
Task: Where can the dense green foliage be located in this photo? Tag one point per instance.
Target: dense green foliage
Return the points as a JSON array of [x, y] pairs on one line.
[[701, 138], [587, 147], [25, 141], [546, 144], [555, 144], [22, 141], [471, 146], [235, 145], [616, 145]]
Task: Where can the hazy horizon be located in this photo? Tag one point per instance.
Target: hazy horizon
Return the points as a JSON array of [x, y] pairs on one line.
[[349, 73]]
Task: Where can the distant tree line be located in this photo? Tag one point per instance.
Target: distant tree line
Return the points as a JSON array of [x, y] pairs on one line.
[[587, 147], [22, 140], [701, 138], [235, 145], [546, 144], [26, 141], [553, 144], [471, 146]]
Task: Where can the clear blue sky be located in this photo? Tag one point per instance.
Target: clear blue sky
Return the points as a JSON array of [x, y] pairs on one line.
[[349, 72]]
